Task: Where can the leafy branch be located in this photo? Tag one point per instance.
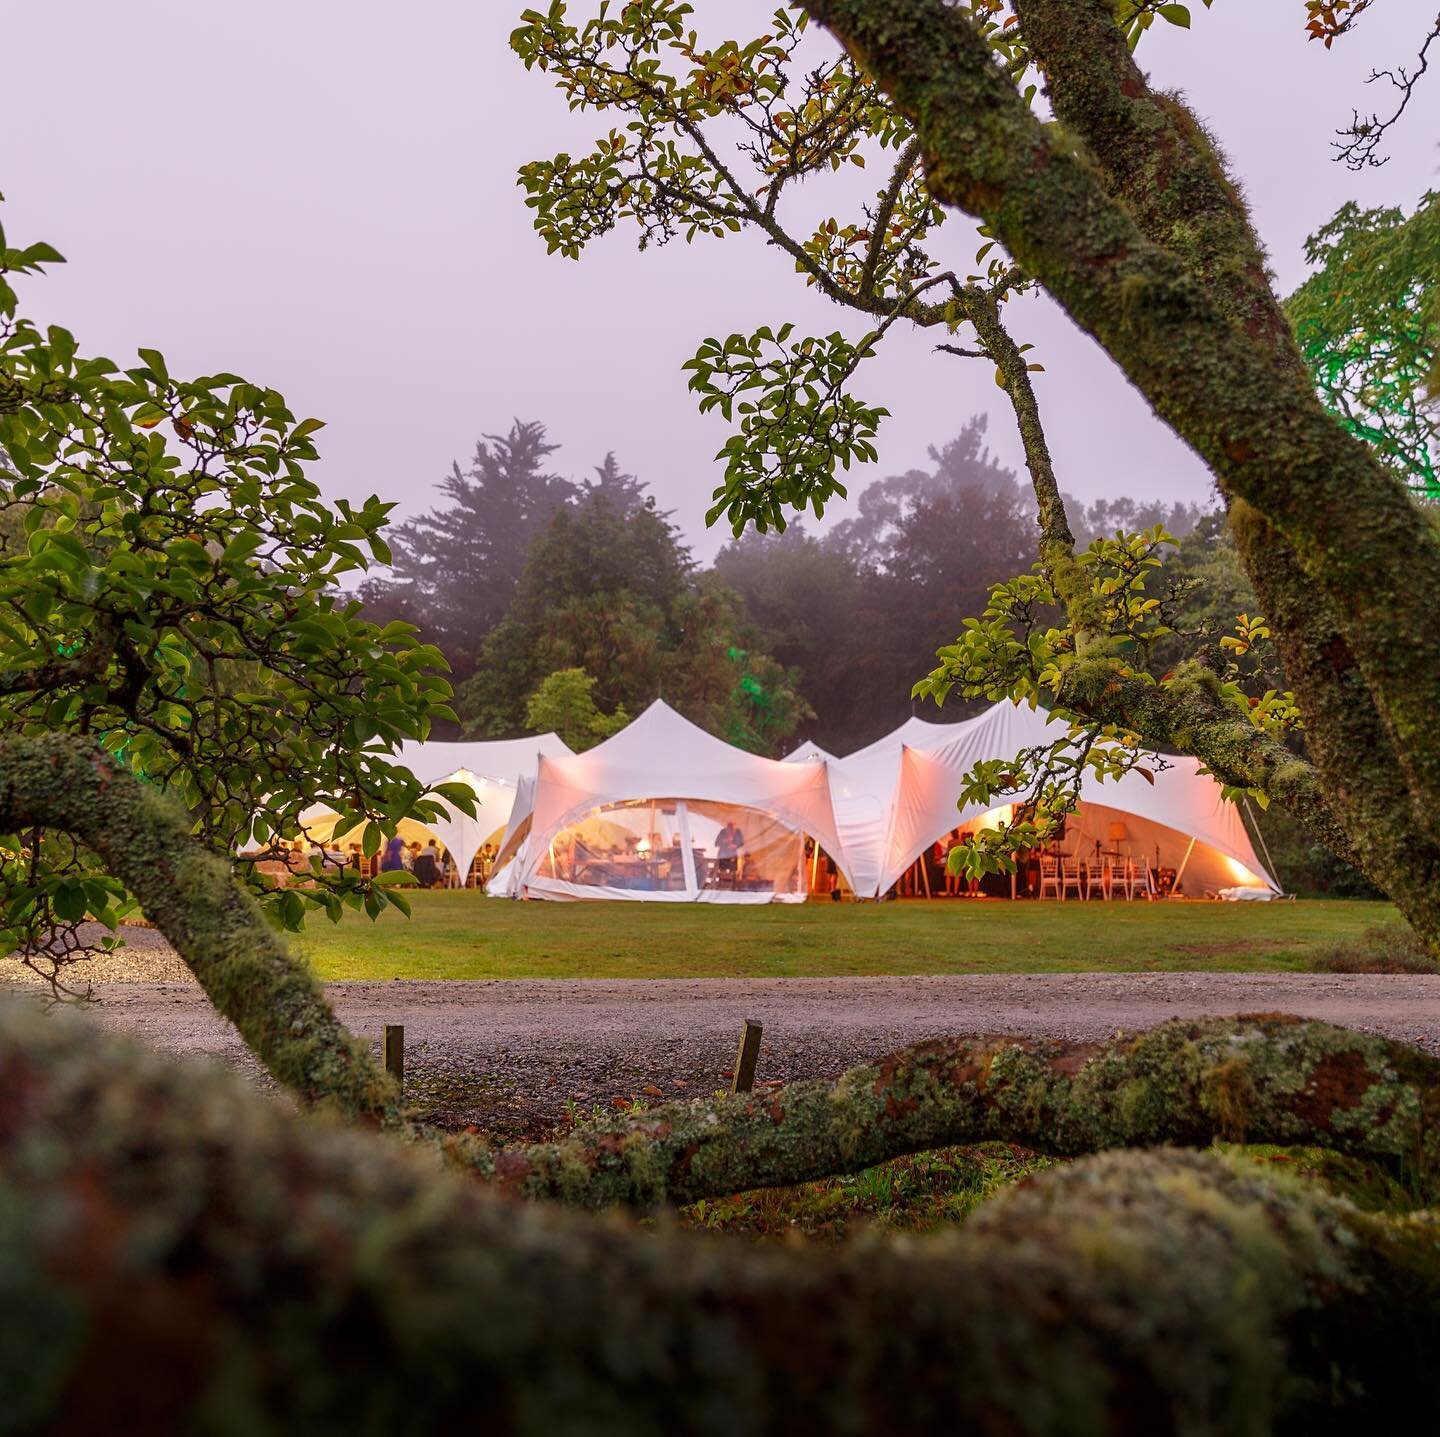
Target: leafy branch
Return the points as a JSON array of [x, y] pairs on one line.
[[169, 589]]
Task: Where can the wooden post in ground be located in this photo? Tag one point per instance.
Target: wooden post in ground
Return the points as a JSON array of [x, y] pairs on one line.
[[744, 1078], [392, 1051]]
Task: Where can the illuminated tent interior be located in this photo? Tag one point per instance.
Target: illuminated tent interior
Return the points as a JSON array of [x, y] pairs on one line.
[[492, 771], [897, 797], [653, 813], [641, 815]]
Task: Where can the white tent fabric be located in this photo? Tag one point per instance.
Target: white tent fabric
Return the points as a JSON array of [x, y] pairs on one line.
[[809, 752], [492, 769], [510, 759], [665, 759], [510, 858], [863, 786], [896, 797]]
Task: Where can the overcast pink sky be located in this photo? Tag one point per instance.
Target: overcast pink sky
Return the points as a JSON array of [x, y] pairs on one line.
[[321, 196]]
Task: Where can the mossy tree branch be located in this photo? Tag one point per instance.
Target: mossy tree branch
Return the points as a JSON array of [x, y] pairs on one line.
[[1259, 426], [198, 1259], [1189, 712], [144, 839], [1154, 157], [1363, 783], [1261, 1079]]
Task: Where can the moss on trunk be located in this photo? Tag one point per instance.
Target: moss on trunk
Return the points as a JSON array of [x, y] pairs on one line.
[[1267, 1079], [1129, 221], [144, 839], [175, 1249]]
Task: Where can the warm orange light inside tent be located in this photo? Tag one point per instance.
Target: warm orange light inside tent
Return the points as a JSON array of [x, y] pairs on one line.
[[643, 846], [1118, 833], [996, 817], [1243, 875]]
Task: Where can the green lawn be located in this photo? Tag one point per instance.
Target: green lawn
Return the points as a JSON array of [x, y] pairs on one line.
[[466, 935]]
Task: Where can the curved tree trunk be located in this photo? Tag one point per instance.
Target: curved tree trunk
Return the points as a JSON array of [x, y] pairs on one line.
[[1267, 1079], [176, 1250], [1189, 712], [144, 840], [1127, 218]]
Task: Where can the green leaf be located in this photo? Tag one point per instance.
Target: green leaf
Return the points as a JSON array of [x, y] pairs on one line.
[[155, 363], [69, 900]]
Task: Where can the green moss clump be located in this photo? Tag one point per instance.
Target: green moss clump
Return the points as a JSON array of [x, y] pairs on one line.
[[922, 1192]]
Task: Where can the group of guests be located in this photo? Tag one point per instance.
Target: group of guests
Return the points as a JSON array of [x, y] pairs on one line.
[[430, 864], [426, 864]]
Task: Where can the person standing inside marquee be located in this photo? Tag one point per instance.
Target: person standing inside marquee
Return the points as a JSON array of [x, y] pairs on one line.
[[728, 843]]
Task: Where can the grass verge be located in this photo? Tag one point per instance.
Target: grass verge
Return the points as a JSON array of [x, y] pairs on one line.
[[466, 935]]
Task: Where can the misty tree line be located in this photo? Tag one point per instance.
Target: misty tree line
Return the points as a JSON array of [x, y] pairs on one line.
[[520, 572]]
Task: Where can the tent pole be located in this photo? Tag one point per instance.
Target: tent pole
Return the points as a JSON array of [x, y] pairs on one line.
[[1180, 872], [814, 862], [687, 853], [1264, 847], [924, 873]]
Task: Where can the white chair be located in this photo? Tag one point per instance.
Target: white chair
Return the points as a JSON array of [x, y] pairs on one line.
[[1128, 879], [1096, 876], [1050, 875], [1070, 877]]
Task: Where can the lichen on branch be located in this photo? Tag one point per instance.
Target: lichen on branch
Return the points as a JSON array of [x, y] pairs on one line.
[[1261, 1079], [145, 840], [199, 1259]]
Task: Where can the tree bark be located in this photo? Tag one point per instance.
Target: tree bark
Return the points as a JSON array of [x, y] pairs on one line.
[[1155, 158], [1189, 325], [1189, 712], [143, 838], [1343, 731], [1267, 1079], [179, 1251]]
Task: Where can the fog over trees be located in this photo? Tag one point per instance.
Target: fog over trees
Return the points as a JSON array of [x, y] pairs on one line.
[[813, 632]]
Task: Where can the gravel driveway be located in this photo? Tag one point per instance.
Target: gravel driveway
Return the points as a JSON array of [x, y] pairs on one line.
[[512, 1054]]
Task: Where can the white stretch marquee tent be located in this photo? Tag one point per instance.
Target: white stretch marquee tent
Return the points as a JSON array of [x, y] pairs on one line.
[[640, 817], [896, 797], [493, 770], [863, 787]]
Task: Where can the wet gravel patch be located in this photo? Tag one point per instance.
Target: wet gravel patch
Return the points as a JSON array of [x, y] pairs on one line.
[[521, 1056]]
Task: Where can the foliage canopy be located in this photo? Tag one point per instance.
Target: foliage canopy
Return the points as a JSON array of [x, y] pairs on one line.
[[169, 590]]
